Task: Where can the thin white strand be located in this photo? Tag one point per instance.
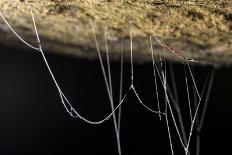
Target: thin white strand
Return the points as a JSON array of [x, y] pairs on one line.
[[132, 77], [172, 115], [131, 52], [100, 59], [141, 102], [168, 88], [187, 89], [167, 102], [166, 112], [111, 93], [36, 31], [121, 87], [162, 82], [193, 79], [108, 65], [102, 120], [169, 134], [195, 115], [154, 74], [17, 35], [176, 105]]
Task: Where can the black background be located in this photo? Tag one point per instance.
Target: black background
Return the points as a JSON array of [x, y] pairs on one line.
[[33, 120]]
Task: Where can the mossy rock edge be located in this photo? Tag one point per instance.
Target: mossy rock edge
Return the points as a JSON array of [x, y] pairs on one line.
[[200, 29]]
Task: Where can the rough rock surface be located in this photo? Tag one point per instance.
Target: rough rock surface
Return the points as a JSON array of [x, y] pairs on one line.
[[200, 29]]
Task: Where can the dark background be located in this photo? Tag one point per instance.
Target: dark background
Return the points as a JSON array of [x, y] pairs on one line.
[[33, 120]]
